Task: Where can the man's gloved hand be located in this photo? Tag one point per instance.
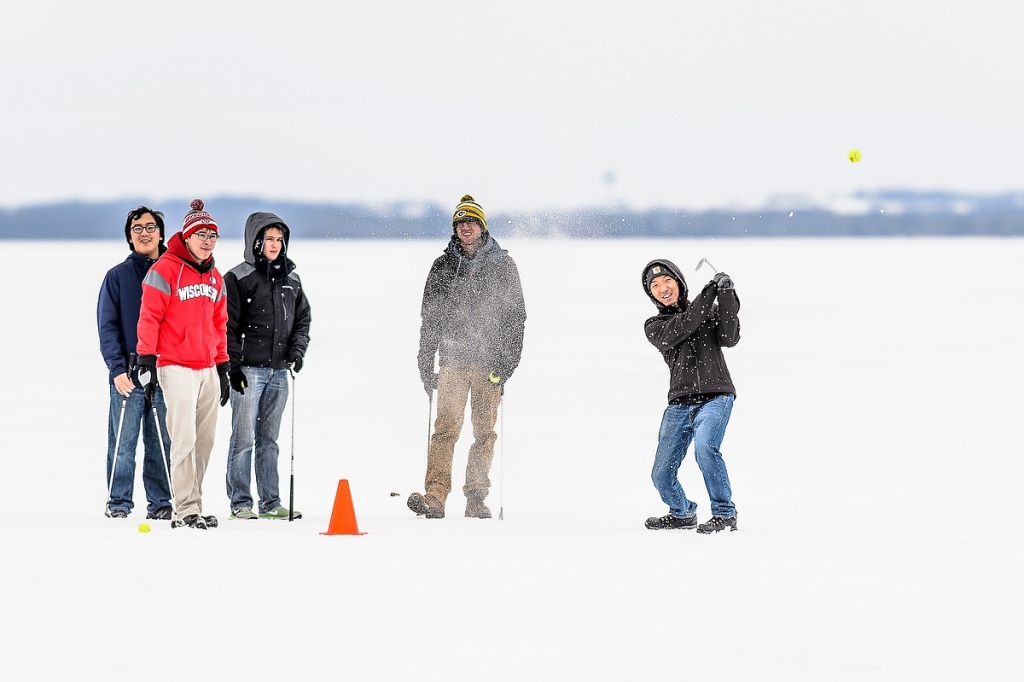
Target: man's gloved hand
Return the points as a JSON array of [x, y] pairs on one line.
[[146, 365], [238, 380], [225, 383], [723, 281], [429, 380], [295, 362]]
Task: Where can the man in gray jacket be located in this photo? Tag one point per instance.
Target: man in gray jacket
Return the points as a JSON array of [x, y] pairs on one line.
[[473, 319], [268, 333]]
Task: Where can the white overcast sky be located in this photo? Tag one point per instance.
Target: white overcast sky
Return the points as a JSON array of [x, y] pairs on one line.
[[525, 105]]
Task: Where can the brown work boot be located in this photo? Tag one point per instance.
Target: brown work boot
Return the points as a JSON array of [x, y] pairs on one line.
[[426, 505], [476, 509]]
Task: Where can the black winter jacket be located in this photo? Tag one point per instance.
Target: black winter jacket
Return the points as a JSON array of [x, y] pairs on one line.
[[690, 337], [473, 313], [268, 312]]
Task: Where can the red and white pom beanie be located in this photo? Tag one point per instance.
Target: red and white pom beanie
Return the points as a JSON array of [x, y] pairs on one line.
[[197, 219]]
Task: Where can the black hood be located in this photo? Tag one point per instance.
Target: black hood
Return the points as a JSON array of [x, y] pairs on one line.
[[255, 229], [672, 271], [255, 226]]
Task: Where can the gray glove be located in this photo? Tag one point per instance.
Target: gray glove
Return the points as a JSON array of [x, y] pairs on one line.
[[723, 281]]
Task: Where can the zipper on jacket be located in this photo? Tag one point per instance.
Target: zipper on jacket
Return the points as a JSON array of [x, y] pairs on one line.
[[696, 364]]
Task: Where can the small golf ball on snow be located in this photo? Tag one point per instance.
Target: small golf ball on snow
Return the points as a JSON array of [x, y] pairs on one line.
[[144, 528]]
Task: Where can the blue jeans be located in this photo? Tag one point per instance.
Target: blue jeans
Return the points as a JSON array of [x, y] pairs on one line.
[[137, 413], [705, 426], [255, 425]]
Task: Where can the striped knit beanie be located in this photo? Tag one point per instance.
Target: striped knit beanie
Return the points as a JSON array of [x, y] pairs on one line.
[[197, 219], [468, 209]]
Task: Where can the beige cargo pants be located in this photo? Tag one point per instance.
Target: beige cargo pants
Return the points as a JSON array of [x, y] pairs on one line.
[[191, 396], [454, 386]]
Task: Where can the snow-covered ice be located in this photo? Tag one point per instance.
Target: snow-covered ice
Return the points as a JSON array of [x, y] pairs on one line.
[[875, 454]]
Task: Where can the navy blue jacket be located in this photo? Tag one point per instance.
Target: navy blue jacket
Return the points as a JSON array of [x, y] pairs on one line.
[[117, 312]]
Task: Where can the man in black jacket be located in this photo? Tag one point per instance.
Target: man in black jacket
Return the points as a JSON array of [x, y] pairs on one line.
[[690, 337], [473, 320], [268, 333]]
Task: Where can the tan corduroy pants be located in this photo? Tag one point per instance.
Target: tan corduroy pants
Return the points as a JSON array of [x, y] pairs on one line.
[[191, 396], [454, 386]]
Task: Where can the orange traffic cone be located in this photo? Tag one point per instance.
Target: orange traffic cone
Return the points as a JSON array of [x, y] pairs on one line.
[[343, 518]]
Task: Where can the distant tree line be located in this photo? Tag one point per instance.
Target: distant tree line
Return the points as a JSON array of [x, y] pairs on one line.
[[887, 213]]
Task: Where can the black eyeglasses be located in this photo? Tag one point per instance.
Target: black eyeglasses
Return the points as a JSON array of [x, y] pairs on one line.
[[206, 236], [148, 227]]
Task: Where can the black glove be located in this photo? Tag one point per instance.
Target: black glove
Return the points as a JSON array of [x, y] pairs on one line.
[[723, 281], [295, 362], [146, 365], [238, 380], [429, 380], [225, 384]]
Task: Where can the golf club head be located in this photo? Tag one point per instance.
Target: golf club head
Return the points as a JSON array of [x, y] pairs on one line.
[[702, 262]]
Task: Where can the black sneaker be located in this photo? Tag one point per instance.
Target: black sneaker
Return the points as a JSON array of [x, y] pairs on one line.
[[669, 522], [427, 506], [192, 521], [717, 523], [161, 514], [117, 513]]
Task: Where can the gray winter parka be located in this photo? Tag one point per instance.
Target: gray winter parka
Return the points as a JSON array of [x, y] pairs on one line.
[[473, 313]]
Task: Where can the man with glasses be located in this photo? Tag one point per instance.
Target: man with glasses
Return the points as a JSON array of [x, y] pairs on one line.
[[117, 315], [183, 348]]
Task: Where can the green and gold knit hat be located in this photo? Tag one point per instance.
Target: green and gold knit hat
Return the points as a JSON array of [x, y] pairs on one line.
[[468, 209]]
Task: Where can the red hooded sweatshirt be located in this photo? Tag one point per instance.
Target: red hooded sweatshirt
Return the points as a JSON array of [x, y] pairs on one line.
[[184, 314]]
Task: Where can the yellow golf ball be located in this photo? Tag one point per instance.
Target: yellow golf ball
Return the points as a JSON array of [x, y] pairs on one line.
[[854, 155], [144, 528]]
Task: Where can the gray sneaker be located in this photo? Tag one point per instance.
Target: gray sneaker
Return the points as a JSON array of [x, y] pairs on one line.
[[244, 514]]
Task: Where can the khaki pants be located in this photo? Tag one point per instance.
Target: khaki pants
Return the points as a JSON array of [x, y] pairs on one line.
[[191, 396], [454, 385]]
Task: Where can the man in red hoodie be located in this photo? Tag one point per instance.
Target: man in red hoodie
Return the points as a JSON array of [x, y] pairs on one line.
[[183, 347]]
